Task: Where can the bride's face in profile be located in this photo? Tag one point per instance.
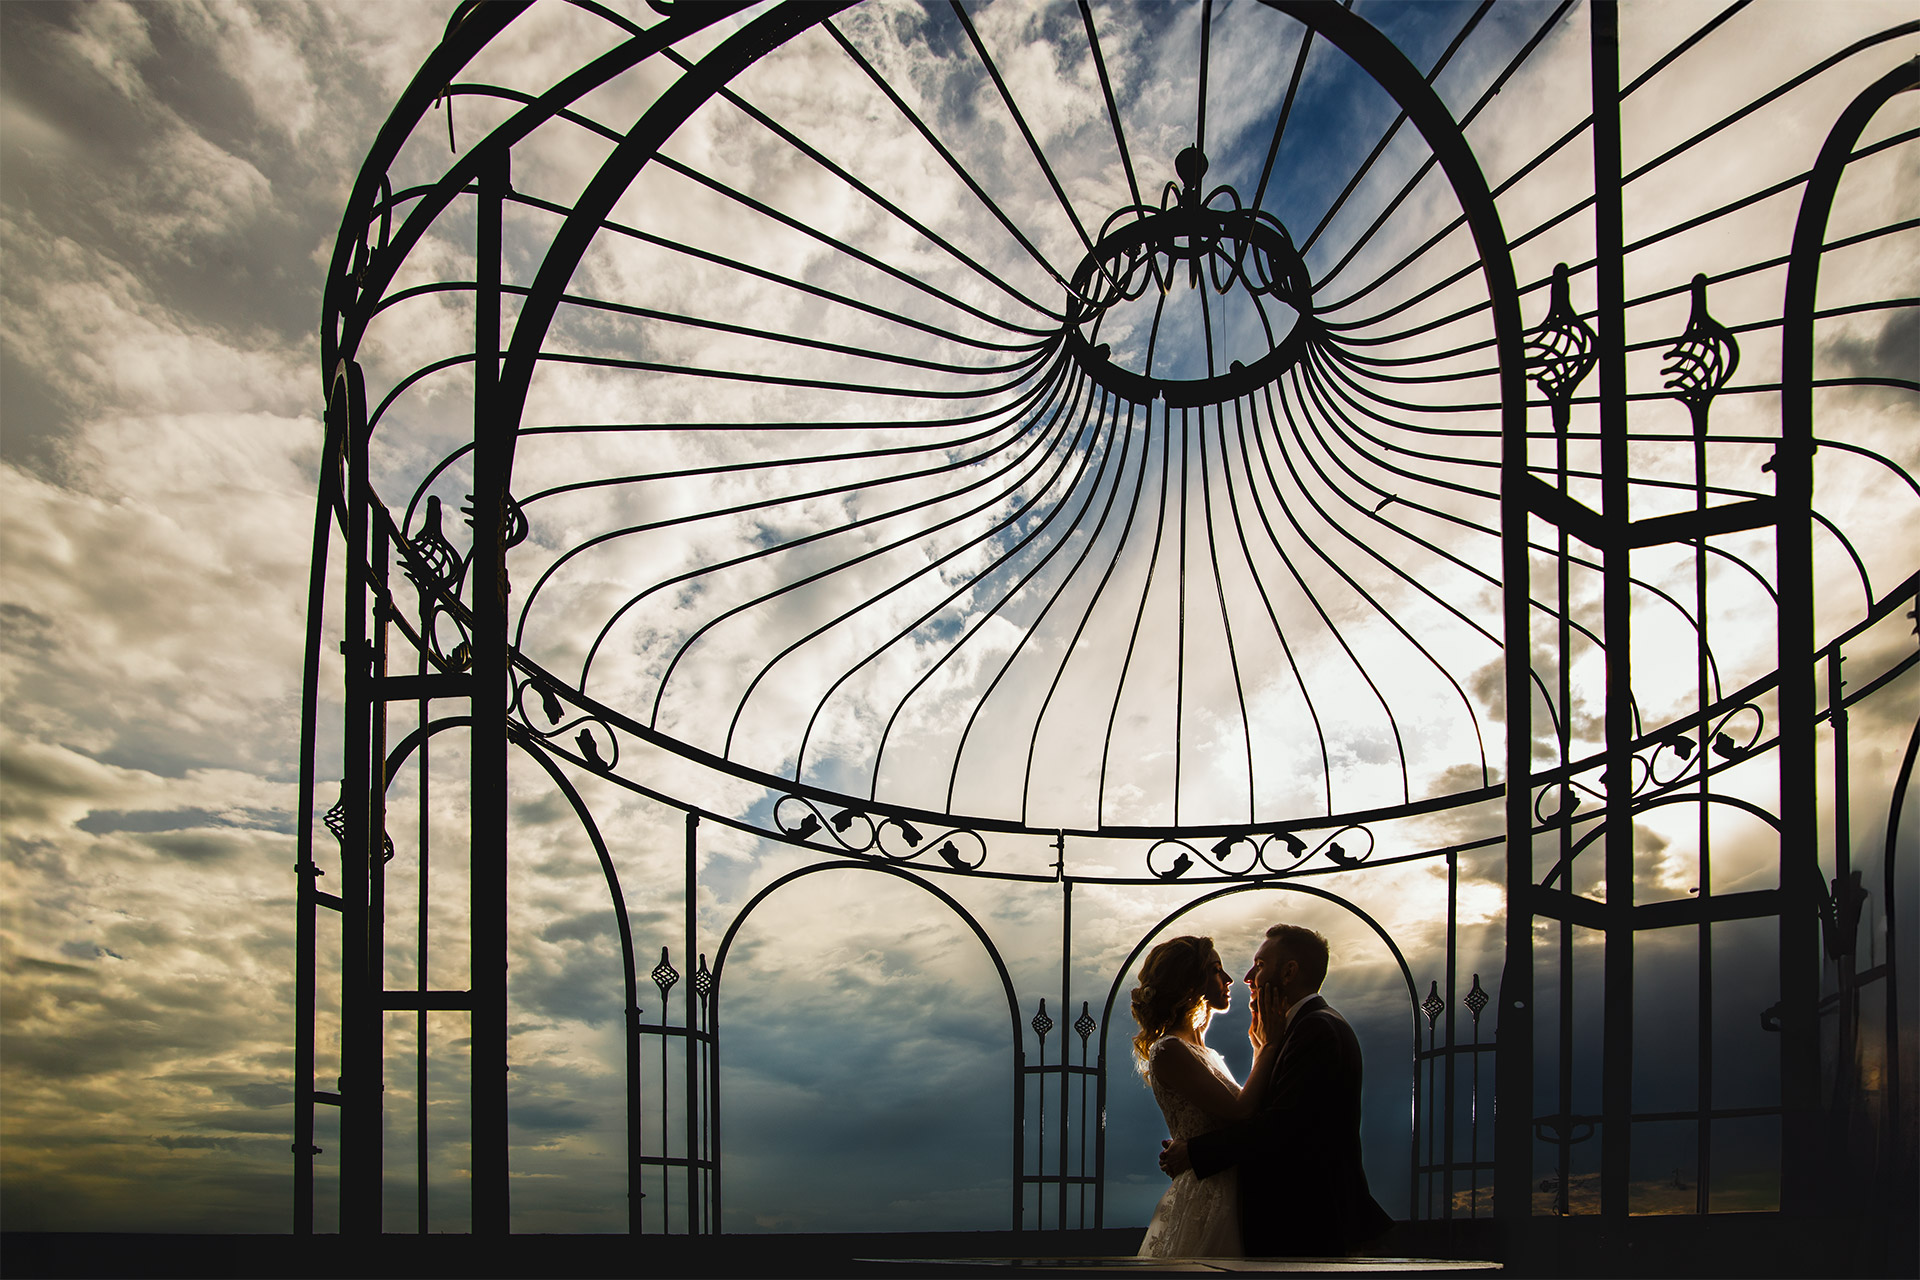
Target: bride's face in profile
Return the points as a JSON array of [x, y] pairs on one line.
[[1218, 987]]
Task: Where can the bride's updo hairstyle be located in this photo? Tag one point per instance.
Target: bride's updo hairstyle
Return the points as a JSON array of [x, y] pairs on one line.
[[1171, 991]]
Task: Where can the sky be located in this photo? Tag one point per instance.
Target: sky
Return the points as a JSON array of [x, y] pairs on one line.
[[172, 180]]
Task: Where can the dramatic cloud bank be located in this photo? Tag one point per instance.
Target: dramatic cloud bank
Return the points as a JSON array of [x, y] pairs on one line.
[[174, 180]]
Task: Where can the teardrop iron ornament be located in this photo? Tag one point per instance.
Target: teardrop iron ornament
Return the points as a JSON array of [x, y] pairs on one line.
[[1560, 353], [1702, 359]]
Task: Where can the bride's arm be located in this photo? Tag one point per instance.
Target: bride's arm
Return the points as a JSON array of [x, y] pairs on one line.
[[1181, 1070], [1254, 1092]]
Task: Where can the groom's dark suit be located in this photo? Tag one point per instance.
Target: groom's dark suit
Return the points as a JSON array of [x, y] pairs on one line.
[[1303, 1191]]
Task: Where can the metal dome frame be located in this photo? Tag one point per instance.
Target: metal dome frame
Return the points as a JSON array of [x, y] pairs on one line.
[[1560, 410]]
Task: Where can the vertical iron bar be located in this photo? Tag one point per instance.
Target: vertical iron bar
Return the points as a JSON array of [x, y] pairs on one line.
[[1703, 976], [636, 1119], [1616, 1070], [1100, 1134], [1200, 124], [1563, 1154], [1083, 1125], [1453, 963], [1847, 1005], [1040, 1139], [1563, 839], [360, 1065], [693, 1046], [421, 1148], [1513, 1061], [666, 1174], [713, 1112], [1019, 1128], [1066, 1027], [382, 612], [1180, 636], [1473, 1116], [487, 793], [1413, 1138], [1431, 1108], [306, 907]]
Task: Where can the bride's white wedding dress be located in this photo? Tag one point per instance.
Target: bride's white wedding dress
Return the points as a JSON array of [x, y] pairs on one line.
[[1197, 1217]]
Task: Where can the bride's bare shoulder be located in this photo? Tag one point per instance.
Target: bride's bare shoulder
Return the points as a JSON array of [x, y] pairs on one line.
[[1161, 1044], [1178, 1069]]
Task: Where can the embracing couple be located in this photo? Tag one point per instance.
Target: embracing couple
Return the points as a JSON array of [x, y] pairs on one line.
[[1271, 1168]]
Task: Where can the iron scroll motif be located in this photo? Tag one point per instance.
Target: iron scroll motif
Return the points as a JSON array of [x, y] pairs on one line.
[[1221, 855], [894, 839], [589, 729], [1647, 764]]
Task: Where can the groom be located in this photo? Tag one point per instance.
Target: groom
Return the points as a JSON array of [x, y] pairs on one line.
[[1303, 1191]]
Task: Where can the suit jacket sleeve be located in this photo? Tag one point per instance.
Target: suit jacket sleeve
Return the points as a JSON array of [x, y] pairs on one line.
[[1304, 1078]]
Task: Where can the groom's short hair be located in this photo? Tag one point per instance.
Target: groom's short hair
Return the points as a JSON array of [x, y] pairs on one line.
[[1305, 948]]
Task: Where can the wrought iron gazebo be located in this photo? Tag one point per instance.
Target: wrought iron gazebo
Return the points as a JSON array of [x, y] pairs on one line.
[[1187, 450]]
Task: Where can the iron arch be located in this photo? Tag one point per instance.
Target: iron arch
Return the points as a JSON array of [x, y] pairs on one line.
[[953, 905], [628, 971]]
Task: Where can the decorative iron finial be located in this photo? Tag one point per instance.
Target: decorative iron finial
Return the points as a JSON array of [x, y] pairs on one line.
[[1084, 1024], [1476, 999], [1560, 353], [1041, 1023], [1433, 1006], [435, 563], [1703, 358], [336, 820], [703, 979], [1191, 165], [664, 975]]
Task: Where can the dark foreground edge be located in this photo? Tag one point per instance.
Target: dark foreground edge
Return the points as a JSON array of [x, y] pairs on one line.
[[1722, 1245]]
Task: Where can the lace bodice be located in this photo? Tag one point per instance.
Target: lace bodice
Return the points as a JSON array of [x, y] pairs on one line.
[[1184, 1118], [1197, 1217]]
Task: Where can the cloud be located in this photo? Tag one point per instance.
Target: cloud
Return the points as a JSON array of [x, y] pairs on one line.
[[176, 176]]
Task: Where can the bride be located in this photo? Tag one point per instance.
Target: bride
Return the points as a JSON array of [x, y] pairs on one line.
[[1182, 985]]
